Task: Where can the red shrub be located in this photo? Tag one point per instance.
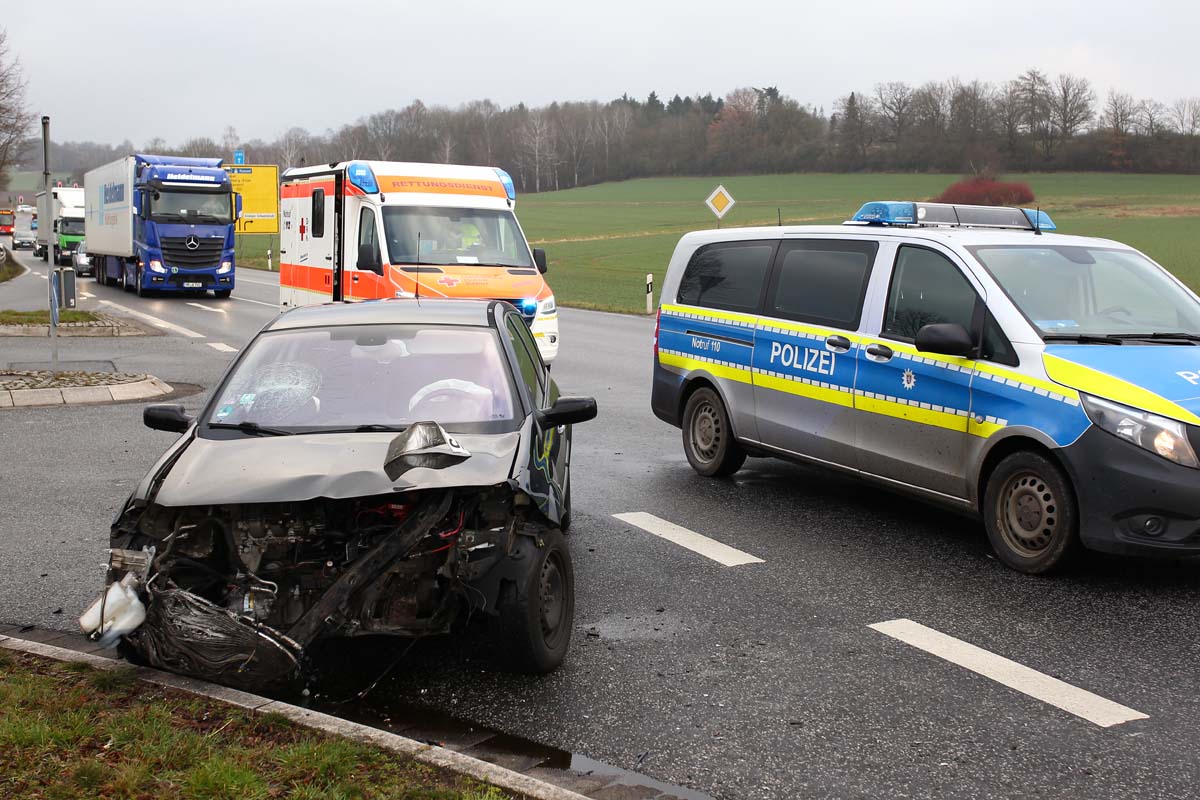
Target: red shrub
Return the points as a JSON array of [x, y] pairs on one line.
[[983, 191]]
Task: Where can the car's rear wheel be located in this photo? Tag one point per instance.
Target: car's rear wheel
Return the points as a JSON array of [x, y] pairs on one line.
[[708, 439], [1030, 513], [536, 615]]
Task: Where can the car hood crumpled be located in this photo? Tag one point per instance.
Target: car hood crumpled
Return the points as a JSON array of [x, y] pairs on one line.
[[286, 469]]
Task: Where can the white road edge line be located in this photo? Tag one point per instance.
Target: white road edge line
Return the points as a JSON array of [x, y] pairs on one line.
[[203, 307], [256, 302], [710, 548], [242, 277], [222, 347], [160, 323], [1072, 699]]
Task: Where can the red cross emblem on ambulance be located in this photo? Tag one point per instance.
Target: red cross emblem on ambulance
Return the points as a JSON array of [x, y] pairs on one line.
[[448, 280]]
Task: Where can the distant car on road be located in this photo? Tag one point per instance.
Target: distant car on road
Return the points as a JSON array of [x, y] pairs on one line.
[[25, 230], [964, 354], [385, 468], [81, 261]]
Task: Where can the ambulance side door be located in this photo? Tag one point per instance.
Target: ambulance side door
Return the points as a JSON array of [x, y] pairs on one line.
[[363, 253]]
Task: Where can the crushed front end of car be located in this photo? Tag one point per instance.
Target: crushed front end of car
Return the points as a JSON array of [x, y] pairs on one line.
[[236, 592]]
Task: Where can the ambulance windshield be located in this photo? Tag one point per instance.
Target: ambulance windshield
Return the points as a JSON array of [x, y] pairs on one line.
[[454, 236], [1091, 291]]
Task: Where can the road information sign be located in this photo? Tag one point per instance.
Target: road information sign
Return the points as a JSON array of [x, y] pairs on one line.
[[258, 184], [239, 157], [720, 201]]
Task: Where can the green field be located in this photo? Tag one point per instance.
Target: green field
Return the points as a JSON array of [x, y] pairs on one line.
[[602, 240], [29, 184]]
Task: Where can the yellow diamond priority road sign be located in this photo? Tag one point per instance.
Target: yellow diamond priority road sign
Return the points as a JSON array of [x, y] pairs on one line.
[[720, 201]]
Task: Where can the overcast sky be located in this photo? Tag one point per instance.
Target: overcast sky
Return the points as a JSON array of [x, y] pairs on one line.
[[108, 70]]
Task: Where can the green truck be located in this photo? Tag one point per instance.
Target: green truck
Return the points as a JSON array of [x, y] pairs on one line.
[[60, 223]]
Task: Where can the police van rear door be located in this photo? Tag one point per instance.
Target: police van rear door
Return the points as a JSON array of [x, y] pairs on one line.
[[805, 348]]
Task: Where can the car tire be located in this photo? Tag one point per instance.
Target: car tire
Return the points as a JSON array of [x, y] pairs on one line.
[[138, 288], [708, 440], [1030, 513], [533, 630], [222, 294], [123, 279]]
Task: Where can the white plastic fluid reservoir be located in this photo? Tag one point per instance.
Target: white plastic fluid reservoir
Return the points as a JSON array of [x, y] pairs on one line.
[[112, 604], [127, 622]]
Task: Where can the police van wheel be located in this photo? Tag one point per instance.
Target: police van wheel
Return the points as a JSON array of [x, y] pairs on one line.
[[707, 436], [1030, 514]]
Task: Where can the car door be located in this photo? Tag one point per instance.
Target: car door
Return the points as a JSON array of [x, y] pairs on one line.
[[915, 407], [363, 257], [550, 448], [805, 350]]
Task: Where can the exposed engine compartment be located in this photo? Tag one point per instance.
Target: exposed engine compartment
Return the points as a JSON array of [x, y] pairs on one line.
[[237, 592]]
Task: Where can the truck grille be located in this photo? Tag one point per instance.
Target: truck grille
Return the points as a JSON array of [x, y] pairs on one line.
[[207, 253]]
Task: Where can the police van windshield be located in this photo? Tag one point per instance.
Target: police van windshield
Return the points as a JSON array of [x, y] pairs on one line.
[[454, 236], [316, 379], [207, 208], [1094, 291]]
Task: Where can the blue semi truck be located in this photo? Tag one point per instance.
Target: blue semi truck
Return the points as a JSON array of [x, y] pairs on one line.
[[162, 224]]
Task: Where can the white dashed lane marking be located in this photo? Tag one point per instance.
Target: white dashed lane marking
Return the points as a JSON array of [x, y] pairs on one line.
[[221, 347], [710, 548], [256, 302], [155, 321], [1080, 702], [203, 307]]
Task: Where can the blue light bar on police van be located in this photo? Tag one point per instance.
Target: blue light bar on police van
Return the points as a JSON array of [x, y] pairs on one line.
[[893, 212], [509, 188], [362, 176]]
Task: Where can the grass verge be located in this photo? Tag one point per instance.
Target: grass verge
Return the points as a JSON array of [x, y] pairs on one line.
[[68, 732], [9, 269], [42, 317]]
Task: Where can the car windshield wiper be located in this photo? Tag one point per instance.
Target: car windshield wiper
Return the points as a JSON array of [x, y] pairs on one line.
[[250, 427], [372, 428], [1187, 337], [1081, 338]]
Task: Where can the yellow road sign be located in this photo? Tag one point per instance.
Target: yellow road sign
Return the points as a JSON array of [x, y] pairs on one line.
[[720, 201], [258, 184]]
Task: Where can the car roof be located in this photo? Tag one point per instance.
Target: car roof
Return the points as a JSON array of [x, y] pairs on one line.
[[960, 236], [396, 311]]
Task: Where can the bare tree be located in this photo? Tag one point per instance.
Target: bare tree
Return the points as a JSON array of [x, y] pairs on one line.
[[1151, 118], [156, 145], [1072, 104], [1037, 97], [291, 146], [481, 121], [15, 117], [536, 136], [229, 139], [895, 103], [1185, 114], [611, 127], [199, 147], [1120, 112], [575, 132], [383, 133]]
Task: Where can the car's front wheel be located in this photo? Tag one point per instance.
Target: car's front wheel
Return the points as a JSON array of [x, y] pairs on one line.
[[1030, 513], [708, 439], [536, 614]]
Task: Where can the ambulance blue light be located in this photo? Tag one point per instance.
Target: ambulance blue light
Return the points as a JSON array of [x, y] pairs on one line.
[[529, 306], [509, 188], [362, 177], [1040, 219], [887, 212]]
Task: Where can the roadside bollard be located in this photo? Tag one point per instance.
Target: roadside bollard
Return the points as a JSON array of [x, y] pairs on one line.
[[649, 292], [268, 259]]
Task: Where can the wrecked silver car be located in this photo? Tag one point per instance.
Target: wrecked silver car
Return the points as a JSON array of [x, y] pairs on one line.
[[385, 468]]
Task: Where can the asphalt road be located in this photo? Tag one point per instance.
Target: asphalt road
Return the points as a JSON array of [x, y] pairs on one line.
[[761, 680]]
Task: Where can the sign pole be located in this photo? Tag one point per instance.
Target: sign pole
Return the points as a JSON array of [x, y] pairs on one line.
[[50, 249]]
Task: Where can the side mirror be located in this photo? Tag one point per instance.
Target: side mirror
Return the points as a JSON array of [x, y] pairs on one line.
[[568, 411], [368, 257], [238, 203], [945, 338], [166, 418], [539, 258]]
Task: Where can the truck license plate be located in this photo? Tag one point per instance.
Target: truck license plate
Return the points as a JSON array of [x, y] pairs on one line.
[[192, 284]]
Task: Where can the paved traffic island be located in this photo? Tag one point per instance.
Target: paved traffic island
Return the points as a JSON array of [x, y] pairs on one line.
[[44, 388], [71, 323]]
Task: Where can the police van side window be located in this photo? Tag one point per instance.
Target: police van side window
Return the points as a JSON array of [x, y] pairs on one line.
[[821, 281], [727, 276], [927, 288]]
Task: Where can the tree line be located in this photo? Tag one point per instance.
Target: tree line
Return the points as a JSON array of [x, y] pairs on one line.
[[1035, 122]]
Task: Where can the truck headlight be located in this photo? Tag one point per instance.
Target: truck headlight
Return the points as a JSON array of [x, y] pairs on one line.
[[1164, 437], [547, 306], [156, 266], [225, 267]]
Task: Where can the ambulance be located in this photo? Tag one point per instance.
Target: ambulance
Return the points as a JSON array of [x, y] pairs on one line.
[[372, 230]]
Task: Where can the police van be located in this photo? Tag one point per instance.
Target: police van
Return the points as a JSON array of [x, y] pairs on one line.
[[965, 354]]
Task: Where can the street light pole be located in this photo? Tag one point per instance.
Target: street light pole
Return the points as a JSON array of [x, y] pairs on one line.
[[52, 263]]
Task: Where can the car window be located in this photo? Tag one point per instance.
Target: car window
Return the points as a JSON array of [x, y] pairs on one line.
[[366, 234], [821, 281], [996, 346], [927, 288], [532, 372], [312, 378], [728, 275]]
